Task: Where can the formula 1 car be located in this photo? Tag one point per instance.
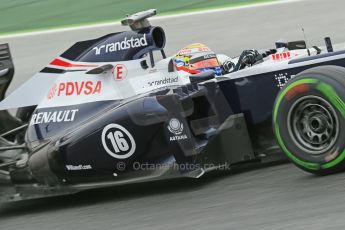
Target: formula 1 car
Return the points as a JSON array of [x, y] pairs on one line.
[[106, 112]]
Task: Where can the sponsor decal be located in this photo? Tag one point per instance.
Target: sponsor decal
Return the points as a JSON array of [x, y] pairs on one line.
[[165, 81], [117, 141], [120, 72], [75, 88], [78, 167], [123, 45], [282, 79], [176, 128], [281, 56], [209, 56], [193, 48], [53, 117]]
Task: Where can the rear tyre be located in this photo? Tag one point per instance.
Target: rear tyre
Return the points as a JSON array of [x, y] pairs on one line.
[[309, 120]]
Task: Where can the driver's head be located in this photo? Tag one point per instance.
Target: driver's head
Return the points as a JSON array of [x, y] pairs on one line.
[[196, 58]]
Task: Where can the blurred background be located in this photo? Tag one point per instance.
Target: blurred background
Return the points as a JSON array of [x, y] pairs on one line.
[[28, 15], [274, 197]]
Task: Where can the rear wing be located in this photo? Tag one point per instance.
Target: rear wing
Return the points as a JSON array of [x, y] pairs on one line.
[[139, 20], [6, 69], [8, 122]]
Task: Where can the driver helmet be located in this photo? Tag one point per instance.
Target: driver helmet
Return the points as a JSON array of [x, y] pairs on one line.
[[196, 58]]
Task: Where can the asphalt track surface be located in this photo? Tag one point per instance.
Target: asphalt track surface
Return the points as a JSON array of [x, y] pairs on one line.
[[273, 197]]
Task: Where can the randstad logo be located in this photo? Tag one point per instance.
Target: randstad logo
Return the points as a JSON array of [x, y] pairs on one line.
[[124, 45]]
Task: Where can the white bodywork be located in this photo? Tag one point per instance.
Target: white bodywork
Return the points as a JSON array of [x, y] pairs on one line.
[[70, 88], [126, 80]]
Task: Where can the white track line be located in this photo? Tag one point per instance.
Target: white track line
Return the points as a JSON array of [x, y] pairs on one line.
[[100, 25]]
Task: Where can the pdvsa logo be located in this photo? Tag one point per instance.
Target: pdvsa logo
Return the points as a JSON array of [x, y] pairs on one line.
[[52, 91], [75, 89]]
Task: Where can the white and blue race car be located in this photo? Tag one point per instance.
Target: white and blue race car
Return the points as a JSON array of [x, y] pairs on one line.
[[108, 112]]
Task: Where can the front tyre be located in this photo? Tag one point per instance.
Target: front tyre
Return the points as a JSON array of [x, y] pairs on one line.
[[309, 120]]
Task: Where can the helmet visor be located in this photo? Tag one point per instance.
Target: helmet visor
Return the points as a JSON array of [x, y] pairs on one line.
[[208, 63]]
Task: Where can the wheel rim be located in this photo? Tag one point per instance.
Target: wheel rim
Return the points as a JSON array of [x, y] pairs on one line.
[[313, 124]]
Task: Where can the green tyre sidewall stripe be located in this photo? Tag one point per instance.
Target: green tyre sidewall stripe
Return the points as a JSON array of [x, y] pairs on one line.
[[335, 100]]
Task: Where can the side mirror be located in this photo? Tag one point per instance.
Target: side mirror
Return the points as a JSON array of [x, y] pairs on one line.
[[100, 69], [143, 64], [203, 76]]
